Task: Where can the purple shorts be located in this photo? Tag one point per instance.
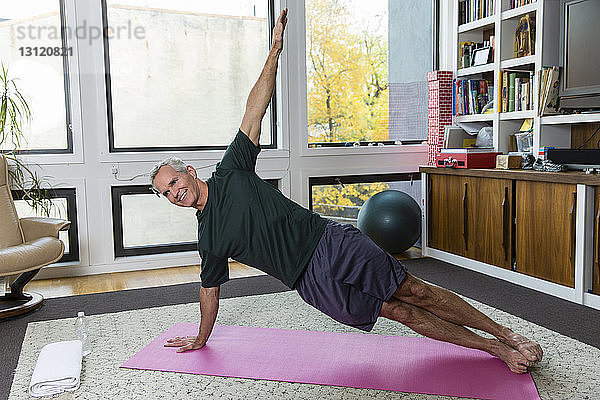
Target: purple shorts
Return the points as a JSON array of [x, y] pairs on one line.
[[349, 276]]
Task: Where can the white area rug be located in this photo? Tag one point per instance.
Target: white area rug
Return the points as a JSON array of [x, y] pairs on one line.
[[570, 369]]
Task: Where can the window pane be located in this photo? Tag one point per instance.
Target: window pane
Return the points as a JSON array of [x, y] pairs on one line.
[[31, 48], [59, 210], [195, 63], [347, 70], [366, 64], [149, 220], [342, 203]]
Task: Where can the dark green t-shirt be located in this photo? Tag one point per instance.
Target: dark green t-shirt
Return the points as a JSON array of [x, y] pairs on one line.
[[251, 221]]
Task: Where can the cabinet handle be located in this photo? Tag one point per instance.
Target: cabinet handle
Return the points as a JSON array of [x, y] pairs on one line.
[[573, 216], [466, 218], [429, 209], [597, 245], [505, 223]]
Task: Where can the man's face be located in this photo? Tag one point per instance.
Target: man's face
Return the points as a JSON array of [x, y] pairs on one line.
[[180, 188]]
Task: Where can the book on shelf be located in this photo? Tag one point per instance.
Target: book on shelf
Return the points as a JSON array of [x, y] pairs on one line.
[[520, 3], [511, 91], [472, 10], [516, 92], [470, 96], [549, 82], [525, 103]]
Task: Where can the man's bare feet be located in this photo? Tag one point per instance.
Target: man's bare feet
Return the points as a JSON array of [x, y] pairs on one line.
[[515, 361], [530, 349]]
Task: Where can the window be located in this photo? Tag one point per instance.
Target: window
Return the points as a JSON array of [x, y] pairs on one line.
[[144, 223], [64, 206], [340, 198], [35, 51], [196, 62], [366, 63]]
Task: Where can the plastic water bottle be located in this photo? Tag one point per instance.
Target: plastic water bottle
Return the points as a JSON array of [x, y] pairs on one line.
[[83, 333]]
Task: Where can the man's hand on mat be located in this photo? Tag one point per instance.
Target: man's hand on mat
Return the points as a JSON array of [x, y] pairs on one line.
[[185, 343]]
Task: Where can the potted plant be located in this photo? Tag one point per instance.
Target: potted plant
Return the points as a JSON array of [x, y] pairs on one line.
[[15, 113]]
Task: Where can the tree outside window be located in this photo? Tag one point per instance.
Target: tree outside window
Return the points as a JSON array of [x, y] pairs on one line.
[[347, 70]]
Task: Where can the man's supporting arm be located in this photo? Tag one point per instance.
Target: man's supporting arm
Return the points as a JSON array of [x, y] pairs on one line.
[[260, 95], [209, 306]]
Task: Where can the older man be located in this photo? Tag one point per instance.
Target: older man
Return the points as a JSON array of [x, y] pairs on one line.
[[334, 267]]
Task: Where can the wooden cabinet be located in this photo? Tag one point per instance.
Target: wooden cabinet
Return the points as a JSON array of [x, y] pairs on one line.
[[446, 213], [545, 230], [596, 265], [523, 220], [471, 217], [488, 210]]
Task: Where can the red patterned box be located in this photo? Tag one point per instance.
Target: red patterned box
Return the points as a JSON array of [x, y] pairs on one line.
[[439, 113]]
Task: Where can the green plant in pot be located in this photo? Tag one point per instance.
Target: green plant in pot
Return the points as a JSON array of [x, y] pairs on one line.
[[15, 114]]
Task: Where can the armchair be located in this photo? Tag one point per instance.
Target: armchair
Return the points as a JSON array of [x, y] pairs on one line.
[[26, 245]]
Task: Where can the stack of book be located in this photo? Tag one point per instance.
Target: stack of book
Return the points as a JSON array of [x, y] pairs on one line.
[[469, 96], [516, 93], [471, 10], [548, 78], [520, 3]]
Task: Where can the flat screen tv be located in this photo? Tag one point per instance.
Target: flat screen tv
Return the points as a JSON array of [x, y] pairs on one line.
[[580, 54]]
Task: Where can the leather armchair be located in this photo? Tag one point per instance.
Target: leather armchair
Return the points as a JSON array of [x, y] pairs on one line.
[[26, 245]]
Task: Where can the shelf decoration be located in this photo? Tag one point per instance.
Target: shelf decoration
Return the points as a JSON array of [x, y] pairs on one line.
[[525, 37], [439, 84]]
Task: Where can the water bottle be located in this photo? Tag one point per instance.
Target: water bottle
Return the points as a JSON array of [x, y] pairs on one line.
[[83, 333]]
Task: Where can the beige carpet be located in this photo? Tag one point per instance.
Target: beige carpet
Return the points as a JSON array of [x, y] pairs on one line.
[[570, 369]]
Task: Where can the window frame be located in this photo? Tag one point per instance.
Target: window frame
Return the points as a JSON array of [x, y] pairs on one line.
[[112, 149], [364, 147], [62, 12], [117, 224], [70, 194], [354, 179], [116, 192]]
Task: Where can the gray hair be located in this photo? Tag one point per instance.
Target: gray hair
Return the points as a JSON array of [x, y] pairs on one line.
[[176, 163]]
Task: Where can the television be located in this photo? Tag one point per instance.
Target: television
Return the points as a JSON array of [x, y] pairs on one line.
[[580, 55]]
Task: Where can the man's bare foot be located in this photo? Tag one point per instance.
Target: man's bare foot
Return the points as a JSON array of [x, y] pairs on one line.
[[515, 361], [530, 349]]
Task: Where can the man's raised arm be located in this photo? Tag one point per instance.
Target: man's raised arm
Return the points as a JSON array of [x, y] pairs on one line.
[[260, 95]]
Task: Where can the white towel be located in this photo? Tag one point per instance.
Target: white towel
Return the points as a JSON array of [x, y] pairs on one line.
[[57, 369]]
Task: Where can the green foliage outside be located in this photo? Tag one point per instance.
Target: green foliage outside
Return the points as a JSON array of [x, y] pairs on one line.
[[335, 201], [347, 76]]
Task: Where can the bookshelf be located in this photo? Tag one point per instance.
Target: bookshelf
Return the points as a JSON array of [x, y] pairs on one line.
[[502, 23]]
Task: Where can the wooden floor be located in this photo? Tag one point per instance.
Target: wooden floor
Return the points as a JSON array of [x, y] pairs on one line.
[[112, 282]]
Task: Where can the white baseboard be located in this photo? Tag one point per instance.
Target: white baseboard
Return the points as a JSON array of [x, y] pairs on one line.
[[591, 300], [122, 265], [518, 278]]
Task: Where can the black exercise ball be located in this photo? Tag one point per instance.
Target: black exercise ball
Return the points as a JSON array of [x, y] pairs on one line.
[[392, 219]]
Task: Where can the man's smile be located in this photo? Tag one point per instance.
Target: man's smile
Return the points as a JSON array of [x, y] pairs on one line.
[[182, 196]]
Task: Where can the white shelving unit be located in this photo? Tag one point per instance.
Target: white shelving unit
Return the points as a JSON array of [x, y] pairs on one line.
[[553, 130], [548, 130]]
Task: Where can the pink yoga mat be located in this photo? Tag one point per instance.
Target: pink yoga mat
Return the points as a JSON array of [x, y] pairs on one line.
[[405, 364]]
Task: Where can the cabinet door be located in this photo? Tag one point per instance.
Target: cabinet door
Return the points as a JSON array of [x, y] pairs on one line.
[[596, 273], [489, 215], [446, 217], [545, 231]]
